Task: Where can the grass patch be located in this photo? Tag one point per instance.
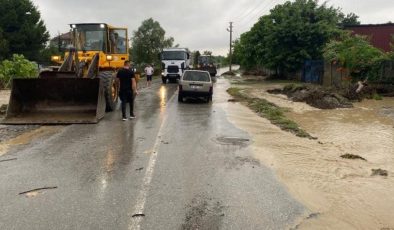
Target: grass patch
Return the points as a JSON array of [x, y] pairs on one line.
[[377, 97], [269, 111], [353, 157], [293, 87], [237, 94]]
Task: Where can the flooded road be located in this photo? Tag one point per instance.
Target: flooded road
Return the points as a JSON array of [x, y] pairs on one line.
[[177, 166], [340, 193]]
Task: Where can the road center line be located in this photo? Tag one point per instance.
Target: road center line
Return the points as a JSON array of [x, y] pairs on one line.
[[141, 199]]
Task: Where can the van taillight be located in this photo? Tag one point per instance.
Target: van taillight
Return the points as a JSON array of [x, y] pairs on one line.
[[180, 87], [210, 89]]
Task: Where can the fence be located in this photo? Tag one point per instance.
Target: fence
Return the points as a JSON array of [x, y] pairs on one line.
[[335, 75], [386, 73], [313, 71]]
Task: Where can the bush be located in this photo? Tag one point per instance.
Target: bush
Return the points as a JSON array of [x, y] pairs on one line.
[[17, 67], [355, 53]]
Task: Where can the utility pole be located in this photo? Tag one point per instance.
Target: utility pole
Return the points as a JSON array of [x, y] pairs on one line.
[[230, 29]]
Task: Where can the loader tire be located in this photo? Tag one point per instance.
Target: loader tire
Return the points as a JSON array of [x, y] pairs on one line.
[[111, 90]]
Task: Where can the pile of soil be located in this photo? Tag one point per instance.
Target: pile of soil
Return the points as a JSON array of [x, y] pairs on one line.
[[229, 73], [315, 96]]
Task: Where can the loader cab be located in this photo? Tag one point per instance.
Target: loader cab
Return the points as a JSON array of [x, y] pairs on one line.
[[100, 37]]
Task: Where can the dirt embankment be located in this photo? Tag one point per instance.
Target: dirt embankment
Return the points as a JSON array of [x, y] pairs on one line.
[[315, 96], [331, 98]]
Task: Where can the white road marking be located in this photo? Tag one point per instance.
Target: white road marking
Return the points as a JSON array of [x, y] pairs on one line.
[[141, 199]]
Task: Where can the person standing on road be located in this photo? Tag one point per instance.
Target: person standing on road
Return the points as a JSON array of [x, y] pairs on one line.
[[149, 72], [127, 89]]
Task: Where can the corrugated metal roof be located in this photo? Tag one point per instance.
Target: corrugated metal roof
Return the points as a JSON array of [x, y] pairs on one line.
[[381, 35]]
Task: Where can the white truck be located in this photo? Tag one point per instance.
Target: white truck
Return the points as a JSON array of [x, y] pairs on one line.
[[174, 61]]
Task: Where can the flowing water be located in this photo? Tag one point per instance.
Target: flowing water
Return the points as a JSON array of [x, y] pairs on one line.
[[339, 193]]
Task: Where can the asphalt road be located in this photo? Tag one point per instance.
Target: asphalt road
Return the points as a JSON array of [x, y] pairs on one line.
[[177, 166]]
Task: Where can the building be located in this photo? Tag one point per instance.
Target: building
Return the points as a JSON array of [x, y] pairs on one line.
[[63, 39], [381, 35]]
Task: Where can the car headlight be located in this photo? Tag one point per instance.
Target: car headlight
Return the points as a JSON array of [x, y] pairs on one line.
[[55, 58], [109, 57]]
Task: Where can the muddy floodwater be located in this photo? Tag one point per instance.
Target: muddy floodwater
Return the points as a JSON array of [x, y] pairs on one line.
[[339, 193]]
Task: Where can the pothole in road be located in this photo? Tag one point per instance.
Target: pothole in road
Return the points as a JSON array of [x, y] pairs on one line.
[[232, 141]]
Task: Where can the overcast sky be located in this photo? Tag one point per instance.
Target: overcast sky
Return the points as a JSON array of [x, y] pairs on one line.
[[198, 25]]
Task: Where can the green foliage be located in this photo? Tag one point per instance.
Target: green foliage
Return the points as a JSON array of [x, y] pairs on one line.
[[290, 34], [17, 67], [47, 52], [148, 41], [349, 19], [196, 55], [355, 53], [377, 97], [22, 30]]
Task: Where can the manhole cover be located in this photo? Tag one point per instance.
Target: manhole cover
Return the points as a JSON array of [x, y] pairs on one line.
[[232, 141]]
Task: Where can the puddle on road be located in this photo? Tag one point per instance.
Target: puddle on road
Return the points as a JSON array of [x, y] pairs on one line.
[[341, 190], [27, 137], [232, 141]]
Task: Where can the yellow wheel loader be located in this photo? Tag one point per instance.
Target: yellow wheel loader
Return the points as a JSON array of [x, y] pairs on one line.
[[83, 86]]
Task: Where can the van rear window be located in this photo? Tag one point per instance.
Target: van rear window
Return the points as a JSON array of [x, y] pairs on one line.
[[196, 76]]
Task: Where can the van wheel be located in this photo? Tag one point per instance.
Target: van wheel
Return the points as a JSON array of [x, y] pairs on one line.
[[164, 80]]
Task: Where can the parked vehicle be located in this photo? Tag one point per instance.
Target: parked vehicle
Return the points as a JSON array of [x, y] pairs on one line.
[[174, 62], [195, 83]]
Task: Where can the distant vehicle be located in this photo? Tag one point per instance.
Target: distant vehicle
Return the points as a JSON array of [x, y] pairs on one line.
[[195, 83], [174, 62], [205, 62]]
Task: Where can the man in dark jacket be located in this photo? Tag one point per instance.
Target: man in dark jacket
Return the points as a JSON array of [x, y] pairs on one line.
[[127, 89]]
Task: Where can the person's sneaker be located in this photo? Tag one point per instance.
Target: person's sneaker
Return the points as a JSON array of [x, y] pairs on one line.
[[124, 119], [132, 117]]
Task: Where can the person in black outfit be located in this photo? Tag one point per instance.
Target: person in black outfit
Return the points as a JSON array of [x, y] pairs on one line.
[[127, 89]]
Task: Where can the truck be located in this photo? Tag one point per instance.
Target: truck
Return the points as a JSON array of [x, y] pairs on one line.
[[205, 62], [174, 62]]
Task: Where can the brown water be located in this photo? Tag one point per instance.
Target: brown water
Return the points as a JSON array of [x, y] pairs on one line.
[[341, 191], [28, 137]]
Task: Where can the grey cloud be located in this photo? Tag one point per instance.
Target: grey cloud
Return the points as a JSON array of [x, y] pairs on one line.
[[198, 25]]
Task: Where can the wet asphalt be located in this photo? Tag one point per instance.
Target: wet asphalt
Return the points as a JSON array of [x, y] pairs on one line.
[[177, 166]]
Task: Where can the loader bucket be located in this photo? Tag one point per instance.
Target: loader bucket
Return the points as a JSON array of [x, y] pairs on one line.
[[55, 101]]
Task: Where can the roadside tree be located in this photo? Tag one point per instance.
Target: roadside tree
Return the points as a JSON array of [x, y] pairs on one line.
[[148, 41], [196, 55], [292, 33], [22, 29]]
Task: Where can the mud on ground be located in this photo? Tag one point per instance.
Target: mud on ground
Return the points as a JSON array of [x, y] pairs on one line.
[[342, 191]]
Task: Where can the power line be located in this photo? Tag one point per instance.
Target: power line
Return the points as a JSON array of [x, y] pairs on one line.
[[257, 13], [245, 12], [253, 10]]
